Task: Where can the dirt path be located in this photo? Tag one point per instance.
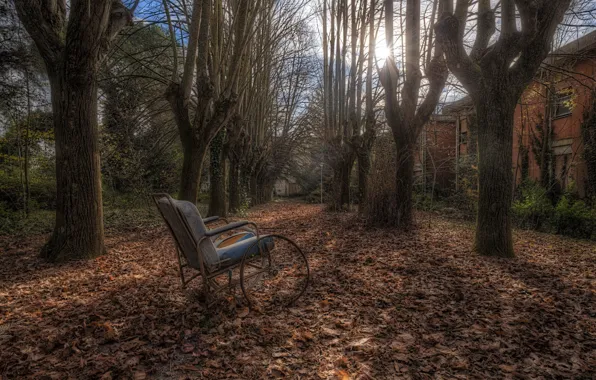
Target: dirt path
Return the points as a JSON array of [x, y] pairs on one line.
[[382, 305]]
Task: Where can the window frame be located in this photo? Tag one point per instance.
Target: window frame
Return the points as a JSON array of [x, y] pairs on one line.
[[561, 97], [463, 137]]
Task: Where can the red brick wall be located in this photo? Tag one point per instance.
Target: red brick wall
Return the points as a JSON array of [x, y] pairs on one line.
[[436, 154], [578, 78]]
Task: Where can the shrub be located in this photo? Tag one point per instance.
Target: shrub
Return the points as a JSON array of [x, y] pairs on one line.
[[426, 202], [314, 196], [464, 203], [42, 190], [15, 223], [533, 208], [574, 218]]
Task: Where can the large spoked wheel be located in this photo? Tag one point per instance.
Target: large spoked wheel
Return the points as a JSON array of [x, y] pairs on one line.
[[274, 272]]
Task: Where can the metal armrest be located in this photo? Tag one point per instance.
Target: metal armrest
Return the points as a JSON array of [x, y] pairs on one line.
[[226, 228], [210, 219]]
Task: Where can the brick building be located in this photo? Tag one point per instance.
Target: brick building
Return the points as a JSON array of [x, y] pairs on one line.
[[547, 141], [435, 158]]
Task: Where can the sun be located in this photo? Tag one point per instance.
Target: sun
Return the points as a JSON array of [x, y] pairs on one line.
[[381, 52]]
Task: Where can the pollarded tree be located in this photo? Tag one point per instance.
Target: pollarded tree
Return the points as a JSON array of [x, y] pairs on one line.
[[72, 44], [268, 125], [495, 75], [218, 36], [407, 117], [347, 136]]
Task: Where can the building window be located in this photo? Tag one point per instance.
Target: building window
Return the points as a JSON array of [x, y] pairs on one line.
[[463, 138], [563, 151], [563, 104]]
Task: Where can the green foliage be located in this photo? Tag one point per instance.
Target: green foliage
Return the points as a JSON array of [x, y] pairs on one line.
[[574, 218], [570, 216], [533, 207], [42, 190], [15, 223], [39, 138], [244, 203], [424, 202], [314, 196], [139, 148]]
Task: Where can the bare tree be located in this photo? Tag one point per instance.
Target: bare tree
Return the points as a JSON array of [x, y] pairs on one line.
[[216, 42], [72, 45], [407, 118], [495, 75], [344, 139], [364, 143], [267, 127]]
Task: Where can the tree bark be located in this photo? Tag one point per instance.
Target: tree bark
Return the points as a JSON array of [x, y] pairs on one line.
[[218, 89], [72, 52], [217, 200], [78, 232], [495, 77], [365, 148], [363, 170], [346, 174], [404, 182], [588, 131], [253, 189], [495, 141], [407, 118], [234, 186], [192, 164]]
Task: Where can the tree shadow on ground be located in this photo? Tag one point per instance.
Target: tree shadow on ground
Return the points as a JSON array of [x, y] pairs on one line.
[[382, 304]]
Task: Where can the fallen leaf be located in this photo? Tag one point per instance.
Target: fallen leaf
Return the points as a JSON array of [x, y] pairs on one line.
[[508, 368], [360, 342], [244, 312], [187, 348], [330, 332]]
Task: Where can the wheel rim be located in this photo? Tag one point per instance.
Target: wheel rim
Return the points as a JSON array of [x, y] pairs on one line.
[[281, 280]]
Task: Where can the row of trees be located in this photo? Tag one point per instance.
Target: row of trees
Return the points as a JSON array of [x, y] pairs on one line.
[[226, 78], [232, 80], [436, 35]]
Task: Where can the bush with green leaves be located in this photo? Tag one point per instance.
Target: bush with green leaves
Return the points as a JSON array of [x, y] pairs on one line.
[[574, 218], [532, 208], [314, 196]]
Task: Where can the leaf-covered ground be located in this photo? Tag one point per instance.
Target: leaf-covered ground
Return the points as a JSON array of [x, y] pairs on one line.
[[382, 305]]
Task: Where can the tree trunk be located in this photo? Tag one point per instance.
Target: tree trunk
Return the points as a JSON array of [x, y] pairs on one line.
[[346, 174], [217, 200], [194, 154], [234, 186], [79, 231], [363, 170], [27, 197], [495, 142], [404, 183], [265, 191], [244, 186], [72, 51], [253, 189]]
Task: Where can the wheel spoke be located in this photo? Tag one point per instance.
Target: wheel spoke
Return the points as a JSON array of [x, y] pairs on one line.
[[285, 274]]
